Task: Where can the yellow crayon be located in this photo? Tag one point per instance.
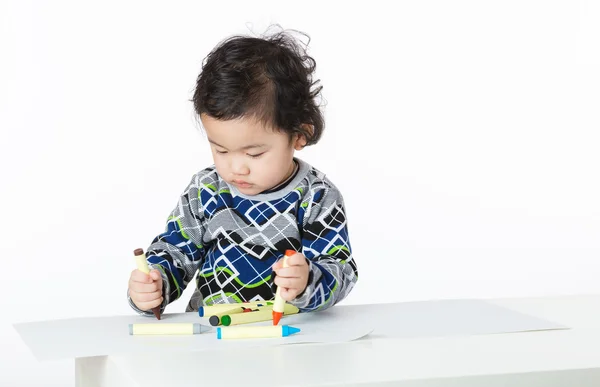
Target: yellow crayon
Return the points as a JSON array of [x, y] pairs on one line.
[[215, 319], [287, 309], [209, 310], [166, 329], [263, 314]]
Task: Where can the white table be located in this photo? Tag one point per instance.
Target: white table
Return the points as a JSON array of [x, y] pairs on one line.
[[545, 358]]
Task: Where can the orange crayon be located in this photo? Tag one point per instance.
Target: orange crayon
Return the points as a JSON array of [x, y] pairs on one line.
[[279, 303]]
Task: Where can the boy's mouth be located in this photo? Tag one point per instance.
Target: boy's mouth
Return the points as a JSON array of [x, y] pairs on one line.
[[242, 184]]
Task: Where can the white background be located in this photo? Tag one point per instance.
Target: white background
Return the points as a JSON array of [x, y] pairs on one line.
[[463, 135]]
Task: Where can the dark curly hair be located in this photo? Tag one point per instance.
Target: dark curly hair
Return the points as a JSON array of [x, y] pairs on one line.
[[267, 78]]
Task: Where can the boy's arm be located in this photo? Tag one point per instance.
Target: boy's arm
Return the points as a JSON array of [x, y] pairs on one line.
[[178, 251], [326, 244]]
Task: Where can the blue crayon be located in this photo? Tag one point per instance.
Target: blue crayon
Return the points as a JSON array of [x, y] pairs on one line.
[[254, 332]]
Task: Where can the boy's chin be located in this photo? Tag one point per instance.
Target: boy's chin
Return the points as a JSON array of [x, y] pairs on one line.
[[250, 191]]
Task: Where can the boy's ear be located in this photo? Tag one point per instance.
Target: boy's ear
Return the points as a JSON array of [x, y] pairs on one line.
[[300, 140]]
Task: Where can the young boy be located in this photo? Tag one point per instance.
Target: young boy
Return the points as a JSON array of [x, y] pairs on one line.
[[256, 100]]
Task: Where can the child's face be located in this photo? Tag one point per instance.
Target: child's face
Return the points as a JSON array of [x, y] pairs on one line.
[[249, 155]]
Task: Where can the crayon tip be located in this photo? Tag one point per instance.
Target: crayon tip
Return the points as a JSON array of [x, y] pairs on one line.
[[214, 320], [289, 253], [276, 317], [226, 320], [201, 311], [156, 312], [288, 330]]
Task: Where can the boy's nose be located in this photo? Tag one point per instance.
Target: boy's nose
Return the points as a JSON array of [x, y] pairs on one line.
[[239, 168]]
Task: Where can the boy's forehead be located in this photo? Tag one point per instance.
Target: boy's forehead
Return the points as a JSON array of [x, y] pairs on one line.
[[236, 133]]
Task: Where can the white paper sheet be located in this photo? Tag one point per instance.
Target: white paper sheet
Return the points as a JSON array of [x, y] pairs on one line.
[[81, 337], [437, 318], [96, 336]]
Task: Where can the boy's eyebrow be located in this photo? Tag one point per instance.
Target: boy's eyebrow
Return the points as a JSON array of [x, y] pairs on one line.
[[243, 148]]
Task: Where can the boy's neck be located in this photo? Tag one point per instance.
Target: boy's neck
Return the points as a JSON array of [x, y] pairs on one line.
[[290, 175]]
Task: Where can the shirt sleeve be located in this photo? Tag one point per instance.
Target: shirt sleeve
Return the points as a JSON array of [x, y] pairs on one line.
[[326, 244], [178, 251]]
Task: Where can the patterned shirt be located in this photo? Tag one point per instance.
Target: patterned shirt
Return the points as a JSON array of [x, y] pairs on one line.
[[231, 240]]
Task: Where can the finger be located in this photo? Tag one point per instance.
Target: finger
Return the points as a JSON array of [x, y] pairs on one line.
[[290, 272], [289, 294], [287, 282], [140, 276], [146, 297], [277, 265], [155, 274], [140, 287], [147, 306], [297, 260]]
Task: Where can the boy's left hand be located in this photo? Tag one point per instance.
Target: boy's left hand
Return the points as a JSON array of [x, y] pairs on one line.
[[292, 279]]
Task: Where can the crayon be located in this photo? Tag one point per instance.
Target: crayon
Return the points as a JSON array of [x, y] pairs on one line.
[[215, 319], [167, 329], [263, 314], [209, 310], [279, 303], [142, 265], [287, 309], [255, 332]]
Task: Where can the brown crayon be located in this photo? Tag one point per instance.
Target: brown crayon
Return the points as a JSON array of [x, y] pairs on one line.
[[142, 265]]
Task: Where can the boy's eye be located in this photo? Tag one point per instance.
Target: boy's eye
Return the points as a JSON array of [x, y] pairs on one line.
[[220, 151], [257, 155]]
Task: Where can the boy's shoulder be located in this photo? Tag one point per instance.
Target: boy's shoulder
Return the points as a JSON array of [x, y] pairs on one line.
[[207, 177], [317, 180]]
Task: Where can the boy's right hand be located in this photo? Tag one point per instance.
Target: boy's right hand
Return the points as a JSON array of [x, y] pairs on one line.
[[145, 290]]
